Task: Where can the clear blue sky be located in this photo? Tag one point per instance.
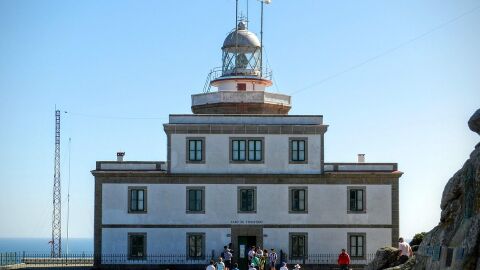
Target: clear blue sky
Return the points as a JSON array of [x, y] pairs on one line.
[[396, 80]]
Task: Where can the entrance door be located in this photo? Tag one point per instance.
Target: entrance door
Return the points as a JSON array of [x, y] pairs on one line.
[[244, 245]]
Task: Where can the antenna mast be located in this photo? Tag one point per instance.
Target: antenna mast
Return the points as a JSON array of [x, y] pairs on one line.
[[56, 241]]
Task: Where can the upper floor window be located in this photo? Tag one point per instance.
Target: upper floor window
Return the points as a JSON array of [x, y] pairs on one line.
[[239, 150], [195, 149], [356, 199], [298, 199], [195, 200], [247, 199], [356, 245], [195, 245], [137, 197], [246, 149], [255, 150], [298, 150], [137, 246], [298, 245]]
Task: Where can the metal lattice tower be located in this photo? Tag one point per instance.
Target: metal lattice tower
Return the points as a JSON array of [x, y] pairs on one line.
[[57, 195]]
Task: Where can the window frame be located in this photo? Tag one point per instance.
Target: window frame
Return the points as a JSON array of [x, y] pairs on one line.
[[364, 199], [239, 199], [232, 144], [203, 240], [349, 244], [290, 150], [290, 245], [247, 150], [187, 204], [145, 200], [291, 190], [129, 241], [187, 150]]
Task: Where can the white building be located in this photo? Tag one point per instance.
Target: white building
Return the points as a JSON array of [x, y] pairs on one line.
[[241, 170]]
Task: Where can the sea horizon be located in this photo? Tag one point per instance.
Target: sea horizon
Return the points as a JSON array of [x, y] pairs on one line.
[[40, 245]]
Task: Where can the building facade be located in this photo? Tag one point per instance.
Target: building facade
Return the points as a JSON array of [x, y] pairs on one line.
[[240, 170]]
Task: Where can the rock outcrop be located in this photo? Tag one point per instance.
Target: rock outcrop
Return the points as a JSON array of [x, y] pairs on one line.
[[384, 258], [455, 242]]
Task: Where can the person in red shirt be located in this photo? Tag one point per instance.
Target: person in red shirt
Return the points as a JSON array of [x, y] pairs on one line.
[[343, 260]]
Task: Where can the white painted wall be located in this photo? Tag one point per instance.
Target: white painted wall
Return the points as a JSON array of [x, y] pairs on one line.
[[327, 240], [231, 85], [173, 241], [217, 159], [166, 204], [161, 241]]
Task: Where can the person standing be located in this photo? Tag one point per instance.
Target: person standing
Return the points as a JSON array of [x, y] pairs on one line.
[[251, 254], [406, 251], [284, 266], [227, 257], [220, 264], [210, 266], [343, 260], [272, 257]]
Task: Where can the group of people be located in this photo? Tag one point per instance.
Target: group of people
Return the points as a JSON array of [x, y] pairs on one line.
[[259, 259]]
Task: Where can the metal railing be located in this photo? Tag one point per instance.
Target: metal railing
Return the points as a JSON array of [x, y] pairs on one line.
[[217, 72], [26, 260], [325, 259]]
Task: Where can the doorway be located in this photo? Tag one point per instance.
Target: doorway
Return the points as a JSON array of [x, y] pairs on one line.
[[244, 245]]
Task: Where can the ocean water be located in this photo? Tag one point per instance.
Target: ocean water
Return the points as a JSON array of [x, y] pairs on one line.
[[41, 245]]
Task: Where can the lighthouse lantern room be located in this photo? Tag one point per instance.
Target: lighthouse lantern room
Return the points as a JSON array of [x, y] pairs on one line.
[[242, 79]]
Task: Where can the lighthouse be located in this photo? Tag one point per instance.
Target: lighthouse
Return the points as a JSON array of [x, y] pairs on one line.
[[242, 80]]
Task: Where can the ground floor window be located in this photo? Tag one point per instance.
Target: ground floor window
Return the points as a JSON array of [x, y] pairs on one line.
[[298, 245], [137, 245], [195, 245], [357, 245]]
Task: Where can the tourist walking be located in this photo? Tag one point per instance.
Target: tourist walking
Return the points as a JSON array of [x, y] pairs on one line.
[[272, 257], [284, 266], [343, 260], [406, 251]]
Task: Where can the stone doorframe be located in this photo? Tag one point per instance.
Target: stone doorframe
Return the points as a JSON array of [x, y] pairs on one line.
[[245, 230]]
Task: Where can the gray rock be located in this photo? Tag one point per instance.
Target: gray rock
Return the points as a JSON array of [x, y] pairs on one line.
[[459, 227], [474, 122], [384, 257]]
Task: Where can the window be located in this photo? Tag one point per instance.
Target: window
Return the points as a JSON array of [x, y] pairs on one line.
[[137, 197], [247, 199], [137, 246], [195, 150], [356, 245], [195, 245], [239, 150], [246, 150], [356, 199], [298, 199], [241, 86], [298, 245], [298, 150], [254, 150], [195, 200]]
